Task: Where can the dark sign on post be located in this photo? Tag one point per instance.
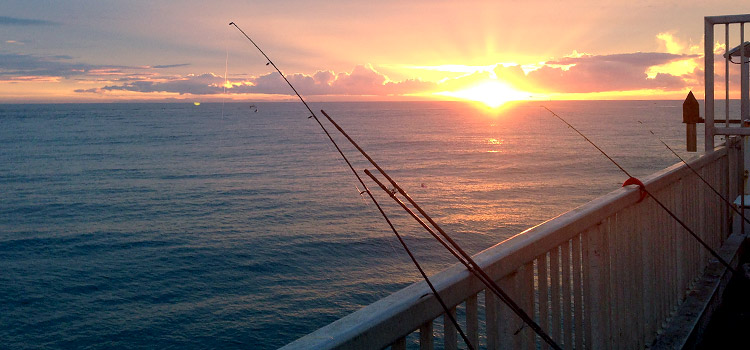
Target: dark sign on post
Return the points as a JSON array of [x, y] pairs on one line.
[[691, 116]]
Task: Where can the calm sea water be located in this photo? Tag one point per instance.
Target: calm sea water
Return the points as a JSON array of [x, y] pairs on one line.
[[215, 226]]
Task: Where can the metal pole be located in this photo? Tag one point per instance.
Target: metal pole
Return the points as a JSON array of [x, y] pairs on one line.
[[727, 138], [708, 50], [744, 116], [745, 99], [726, 78]]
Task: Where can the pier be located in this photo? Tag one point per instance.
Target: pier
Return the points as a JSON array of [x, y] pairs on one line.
[[615, 273]]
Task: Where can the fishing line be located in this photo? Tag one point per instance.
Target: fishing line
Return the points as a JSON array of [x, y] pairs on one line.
[[366, 190], [420, 221], [224, 95], [646, 191], [341, 167], [502, 296], [226, 69], [731, 205], [476, 269]]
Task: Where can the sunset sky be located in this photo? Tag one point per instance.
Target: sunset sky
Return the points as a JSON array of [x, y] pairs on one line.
[[101, 51]]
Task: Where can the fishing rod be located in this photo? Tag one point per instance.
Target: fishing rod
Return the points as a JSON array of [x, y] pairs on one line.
[[474, 267], [482, 277], [731, 205], [420, 221], [633, 181], [369, 193]]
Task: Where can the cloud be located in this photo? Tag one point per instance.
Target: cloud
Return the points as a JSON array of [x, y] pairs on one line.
[[19, 65], [584, 73], [192, 84], [362, 80], [601, 73], [575, 73], [16, 67], [14, 21], [170, 65], [578, 73], [672, 44]]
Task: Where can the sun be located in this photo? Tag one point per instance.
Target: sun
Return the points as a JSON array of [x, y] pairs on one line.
[[492, 93]]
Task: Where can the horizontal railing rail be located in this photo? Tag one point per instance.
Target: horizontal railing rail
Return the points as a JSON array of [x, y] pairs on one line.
[[606, 275]]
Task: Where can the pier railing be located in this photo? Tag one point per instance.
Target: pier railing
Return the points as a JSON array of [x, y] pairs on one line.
[[736, 23], [606, 275]]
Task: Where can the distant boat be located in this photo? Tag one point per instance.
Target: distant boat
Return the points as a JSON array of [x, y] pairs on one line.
[[254, 108]]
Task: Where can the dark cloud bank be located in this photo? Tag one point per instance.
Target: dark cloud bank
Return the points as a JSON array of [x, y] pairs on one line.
[[14, 21], [14, 65]]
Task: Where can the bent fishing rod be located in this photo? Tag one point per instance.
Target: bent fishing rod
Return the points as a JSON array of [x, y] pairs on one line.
[[644, 191], [731, 205], [369, 193], [466, 259]]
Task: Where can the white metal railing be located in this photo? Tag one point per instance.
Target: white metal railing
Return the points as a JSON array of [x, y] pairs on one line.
[[606, 275], [736, 21]]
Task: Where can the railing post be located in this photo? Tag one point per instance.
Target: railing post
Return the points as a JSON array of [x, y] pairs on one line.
[[491, 327], [708, 53], [508, 323], [426, 338], [450, 336], [597, 278], [543, 283], [578, 291], [526, 293], [472, 320]]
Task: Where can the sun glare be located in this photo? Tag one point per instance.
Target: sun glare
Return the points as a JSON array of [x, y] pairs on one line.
[[492, 93]]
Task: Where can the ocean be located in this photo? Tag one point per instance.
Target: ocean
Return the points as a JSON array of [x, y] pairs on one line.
[[224, 226]]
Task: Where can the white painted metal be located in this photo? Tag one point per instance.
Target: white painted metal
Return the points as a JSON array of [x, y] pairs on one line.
[[744, 101], [588, 308], [491, 326], [509, 324], [526, 302], [555, 295], [543, 291], [567, 298], [450, 335], [472, 320], [708, 58], [708, 50], [623, 266], [598, 286], [426, 336], [578, 292], [726, 77]]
